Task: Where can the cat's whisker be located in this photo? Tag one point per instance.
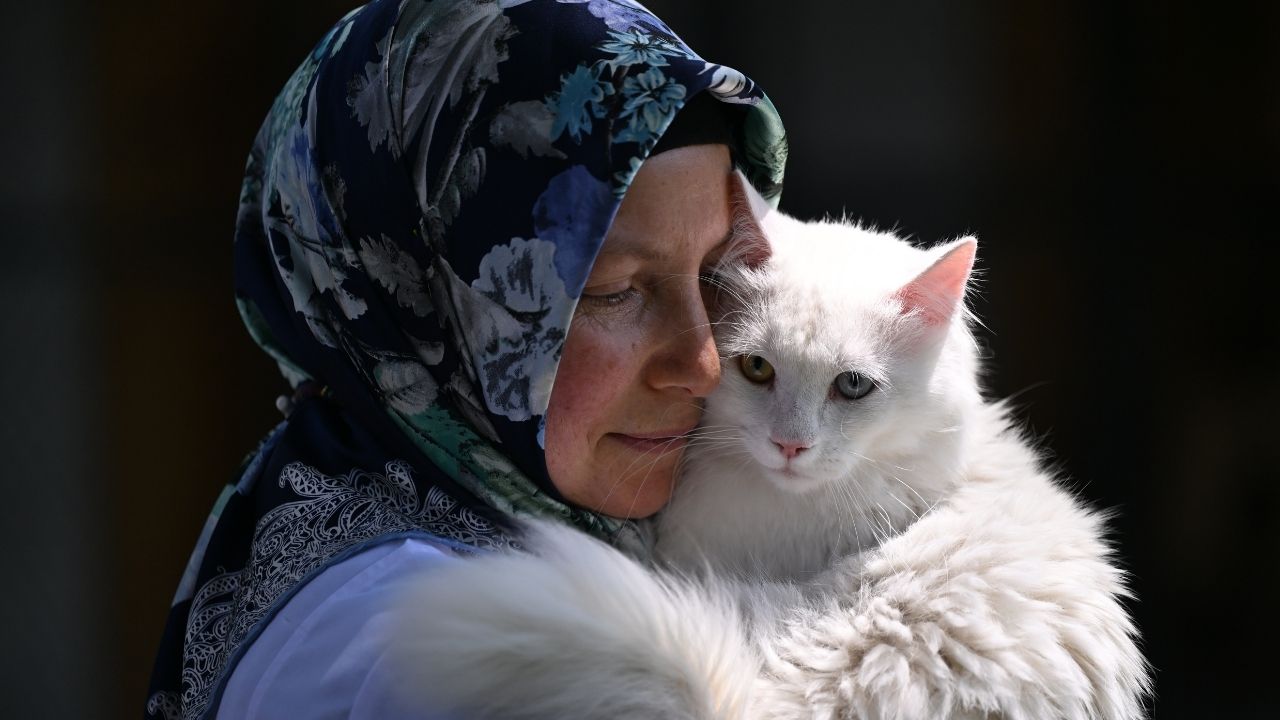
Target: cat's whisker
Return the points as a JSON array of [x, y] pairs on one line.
[[723, 438], [626, 474], [927, 505], [716, 283], [710, 443], [664, 451], [722, 286], [855, 509], [914, 513], [717, 427]]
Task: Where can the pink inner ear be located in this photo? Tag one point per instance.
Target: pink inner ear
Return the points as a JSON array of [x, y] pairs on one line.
[[748, 242], [936, 293]]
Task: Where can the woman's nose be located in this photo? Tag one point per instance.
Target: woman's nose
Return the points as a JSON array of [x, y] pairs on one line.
[[688, 358]]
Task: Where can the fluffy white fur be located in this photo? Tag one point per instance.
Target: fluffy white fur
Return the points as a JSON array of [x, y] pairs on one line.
[[913, 562], [576, 630], [999, 602]]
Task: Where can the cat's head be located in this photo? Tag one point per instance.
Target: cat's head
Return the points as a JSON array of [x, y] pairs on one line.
[[841, 347]]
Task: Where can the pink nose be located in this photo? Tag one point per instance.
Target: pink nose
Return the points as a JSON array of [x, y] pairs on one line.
[[790, 449]]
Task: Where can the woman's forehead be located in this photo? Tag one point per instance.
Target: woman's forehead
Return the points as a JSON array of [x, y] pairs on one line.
[[678, 201]]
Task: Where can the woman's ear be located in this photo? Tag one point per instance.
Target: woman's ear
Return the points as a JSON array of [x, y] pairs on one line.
[[748, 243]]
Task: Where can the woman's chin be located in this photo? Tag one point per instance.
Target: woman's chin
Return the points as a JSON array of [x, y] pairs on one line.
[[625, 479], [640, 496]]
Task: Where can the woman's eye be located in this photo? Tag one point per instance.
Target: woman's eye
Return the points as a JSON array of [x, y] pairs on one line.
[[756, 369], [610, 300], [853, 385]]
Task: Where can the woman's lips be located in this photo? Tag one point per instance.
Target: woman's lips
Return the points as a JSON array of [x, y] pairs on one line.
[[656, 442]]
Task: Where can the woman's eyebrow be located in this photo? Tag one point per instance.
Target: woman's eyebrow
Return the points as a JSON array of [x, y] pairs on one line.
[[623, 247]]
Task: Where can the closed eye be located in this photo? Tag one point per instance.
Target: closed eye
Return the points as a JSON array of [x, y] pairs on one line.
[[608, 302], [616, 298]]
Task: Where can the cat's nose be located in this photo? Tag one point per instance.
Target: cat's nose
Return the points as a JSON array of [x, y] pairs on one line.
[[791, 449]]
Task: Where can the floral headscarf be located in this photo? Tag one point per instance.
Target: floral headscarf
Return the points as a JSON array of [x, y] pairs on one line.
[[420, 212]]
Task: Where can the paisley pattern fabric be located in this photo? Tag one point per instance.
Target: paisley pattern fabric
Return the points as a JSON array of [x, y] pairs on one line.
[[420, 212]]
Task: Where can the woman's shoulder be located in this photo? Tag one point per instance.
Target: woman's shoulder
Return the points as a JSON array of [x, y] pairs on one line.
[[325, 651]]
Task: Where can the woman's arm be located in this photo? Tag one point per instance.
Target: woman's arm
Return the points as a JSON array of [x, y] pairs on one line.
[[325, 654]]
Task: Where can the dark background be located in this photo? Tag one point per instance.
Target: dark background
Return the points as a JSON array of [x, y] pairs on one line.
[[1118, 161]]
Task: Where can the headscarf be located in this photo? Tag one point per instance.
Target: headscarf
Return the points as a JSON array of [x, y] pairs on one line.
[[420, 211]]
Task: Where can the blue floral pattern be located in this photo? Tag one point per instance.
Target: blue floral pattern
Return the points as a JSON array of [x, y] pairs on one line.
[[420, 210], [633, 47], [578, 102], [651, 102]]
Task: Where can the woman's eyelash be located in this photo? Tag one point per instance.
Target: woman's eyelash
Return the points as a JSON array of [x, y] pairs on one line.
[[616, 298], [611, 300]]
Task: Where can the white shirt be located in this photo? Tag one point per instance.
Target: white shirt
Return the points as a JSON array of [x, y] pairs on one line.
[[325, 653]]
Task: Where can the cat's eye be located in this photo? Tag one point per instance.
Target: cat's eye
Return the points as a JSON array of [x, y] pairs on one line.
[[755, 368], [854, 385]]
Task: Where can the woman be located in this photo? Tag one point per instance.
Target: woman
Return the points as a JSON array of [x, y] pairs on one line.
[[451, 205]]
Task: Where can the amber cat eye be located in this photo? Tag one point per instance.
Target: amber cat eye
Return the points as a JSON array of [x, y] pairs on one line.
[[756, 369]]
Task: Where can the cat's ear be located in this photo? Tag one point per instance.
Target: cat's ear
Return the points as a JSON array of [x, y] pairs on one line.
[[747, 208], [936, 293]]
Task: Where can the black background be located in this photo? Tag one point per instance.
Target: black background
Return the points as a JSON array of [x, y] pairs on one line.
[[1117, 160]]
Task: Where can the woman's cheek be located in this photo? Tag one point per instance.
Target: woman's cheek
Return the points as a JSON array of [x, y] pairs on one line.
[[586, 403], [588, 376]]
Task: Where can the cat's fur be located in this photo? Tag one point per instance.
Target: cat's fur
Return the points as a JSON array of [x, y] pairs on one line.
[[915, 561]]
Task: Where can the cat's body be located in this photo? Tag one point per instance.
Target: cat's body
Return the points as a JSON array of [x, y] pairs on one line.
[[870, 539]]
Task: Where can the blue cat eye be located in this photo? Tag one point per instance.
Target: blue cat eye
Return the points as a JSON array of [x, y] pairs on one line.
[[853, 385]]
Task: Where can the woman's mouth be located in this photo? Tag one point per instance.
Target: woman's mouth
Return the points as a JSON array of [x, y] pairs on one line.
[[656, 442]]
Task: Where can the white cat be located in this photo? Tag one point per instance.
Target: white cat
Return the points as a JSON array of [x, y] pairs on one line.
[[844, 408], [857, 533]]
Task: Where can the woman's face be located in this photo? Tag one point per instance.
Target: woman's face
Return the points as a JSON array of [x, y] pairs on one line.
[[639, 357]]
